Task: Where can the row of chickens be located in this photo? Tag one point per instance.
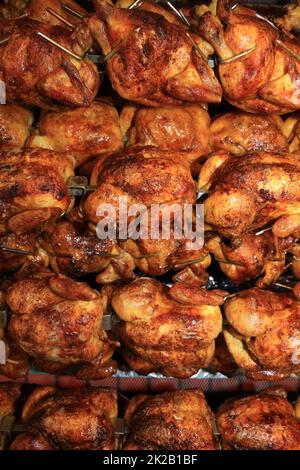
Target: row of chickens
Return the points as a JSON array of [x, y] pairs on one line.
[[158, 58], [85, 419], [176, 330], [250, 173]]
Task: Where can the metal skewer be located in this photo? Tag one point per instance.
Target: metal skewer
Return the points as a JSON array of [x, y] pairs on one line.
[[135, 4], [72, 11], [260, 232], [287, 49], [4, 41], [59, 46], [60, 17], [237, 56]]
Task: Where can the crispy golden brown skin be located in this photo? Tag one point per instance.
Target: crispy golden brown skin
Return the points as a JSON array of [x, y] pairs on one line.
[[10, 262], [267, 79], [290, 21], [15, 123], [251, 192], [59, 321], [37, 73], [156, 65], [147, 175], [265, 421], [75, 251], [180, 420], [9, 393], [251, 256], [68, 420], [263, 332], [37, 10], [183, 129], [32, 189], [84, 133], [240, 133], [171, 330]]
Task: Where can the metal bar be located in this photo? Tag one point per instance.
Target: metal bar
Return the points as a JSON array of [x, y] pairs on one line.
[[237, 56], [72, 11], [4, 41], [59, 46], [135, 4], [60, 17], [287, 49], [260, 232]]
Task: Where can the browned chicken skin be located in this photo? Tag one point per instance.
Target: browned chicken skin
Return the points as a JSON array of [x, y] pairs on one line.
[[266, 80], [37, 10], [180, 420], [68, 420], [83, 133], [32, 189], [156, 63], [36, 72], [265, 421], [183, 129], [147, 175], [240, 133], [15, 124], [251, 192], [263, 333], [59, 321], [251, 256], [170, 330]]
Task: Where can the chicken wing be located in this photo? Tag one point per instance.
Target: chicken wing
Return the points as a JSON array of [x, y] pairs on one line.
[[15, 124]]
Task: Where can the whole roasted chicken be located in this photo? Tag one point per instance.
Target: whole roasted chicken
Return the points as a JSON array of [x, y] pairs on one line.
[[58, 322], [248, 193], [241, 133], [146, 176], [183, 129], [180, 420], [79, 419], [258, 69], [15, 124], [38, 73], [84, 133], [153, 61], [169, 330], [263, 333], [250, 256], [265, 421], [33, 189]]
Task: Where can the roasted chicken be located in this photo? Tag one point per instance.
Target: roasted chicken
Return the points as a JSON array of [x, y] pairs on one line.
[[263, 333], [15, 124], [58, 322], [148, 176], [36, 72], [183, 129], [169, 330], [68, 420], [156, 62], [240, 133], [33, 189], [76, 252], [257, 69], [84, 133], [290, 21], [265, 421], [246, 194], [251, 256], [180, 420]]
